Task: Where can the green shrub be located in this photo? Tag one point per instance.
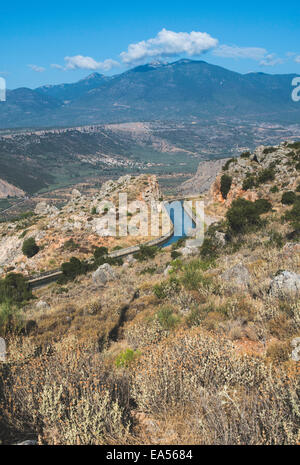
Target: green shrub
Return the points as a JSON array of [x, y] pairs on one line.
[[209, 248], [126, 358], [262, 206], [100, 252], [245, 155], [225, 185], [93, 211], [10, 320], [243, 216], [274, 189], [265, 175], [269, 150], [30, 248], [71, 245], [146, 252], [73, 268], [298, 188], [293, 216], [227, 164], [248, 183], [166, 318], [288, 198], [193, 278], [14, 288], [166, 288]]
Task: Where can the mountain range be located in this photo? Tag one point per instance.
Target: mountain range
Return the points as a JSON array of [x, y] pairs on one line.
[[185, 90]]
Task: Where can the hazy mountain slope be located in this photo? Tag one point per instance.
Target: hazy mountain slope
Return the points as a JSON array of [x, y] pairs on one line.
[[184, 90], [74, 90]]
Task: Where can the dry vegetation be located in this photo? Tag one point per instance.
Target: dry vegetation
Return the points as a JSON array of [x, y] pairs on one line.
[[180, 358]]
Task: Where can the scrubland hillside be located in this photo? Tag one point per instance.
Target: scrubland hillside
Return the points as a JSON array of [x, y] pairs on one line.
[[181, 345]]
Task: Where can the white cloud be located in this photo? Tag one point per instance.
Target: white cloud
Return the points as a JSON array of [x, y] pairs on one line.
[[81, 62], [271, 60], [233, 51], [37, 69], [168, 44], [297, 59]]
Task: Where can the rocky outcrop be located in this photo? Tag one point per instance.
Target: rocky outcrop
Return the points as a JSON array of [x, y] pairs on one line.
[[10, 250], [296, 349], [8, 190], [285, 284], [203, 179], [103, 274], [238, 275], [280, 160], [42, 208]]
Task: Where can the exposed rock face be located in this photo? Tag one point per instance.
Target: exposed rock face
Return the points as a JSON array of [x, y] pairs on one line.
[[204, 177], [238, 275], [285, 284], [10, 250], [281, 160], [42, 208], [103, 274], [7, 189]]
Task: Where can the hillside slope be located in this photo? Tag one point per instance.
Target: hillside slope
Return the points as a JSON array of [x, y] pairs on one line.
[[182, 345]]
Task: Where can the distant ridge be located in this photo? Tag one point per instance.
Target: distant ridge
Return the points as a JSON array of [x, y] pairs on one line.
[[184, 90]]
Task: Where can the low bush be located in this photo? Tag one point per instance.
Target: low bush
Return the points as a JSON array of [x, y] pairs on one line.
[[248, 183], [288, 198], [30, 248], [265, 175], [10, 320], [126, 358], [166, 317], [243, 216], [146, 253], [73, 268], [228, 163], [14, 289], [209, 248]]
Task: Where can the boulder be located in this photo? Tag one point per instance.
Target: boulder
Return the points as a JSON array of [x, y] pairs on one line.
[[130, 259], [220, 238], [238, 275], [285, 284], [75, 193], [42, 305], [296, 349], [189, 251], [103, 274], [2, 350]]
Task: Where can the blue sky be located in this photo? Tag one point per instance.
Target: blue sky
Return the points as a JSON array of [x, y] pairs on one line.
[[55, 42]]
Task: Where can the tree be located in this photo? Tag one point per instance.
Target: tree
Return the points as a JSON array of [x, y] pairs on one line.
[[225, 185]]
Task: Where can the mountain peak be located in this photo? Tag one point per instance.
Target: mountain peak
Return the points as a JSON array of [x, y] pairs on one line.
[[91, 76]]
